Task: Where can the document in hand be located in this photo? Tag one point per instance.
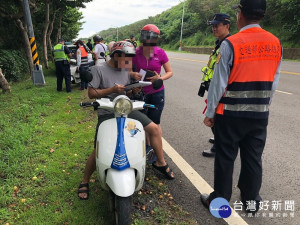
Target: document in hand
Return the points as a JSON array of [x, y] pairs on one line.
[[138, 84], [146, 74]]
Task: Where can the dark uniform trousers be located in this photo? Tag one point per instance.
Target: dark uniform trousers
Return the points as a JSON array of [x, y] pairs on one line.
[[232, 133], [63, 71]]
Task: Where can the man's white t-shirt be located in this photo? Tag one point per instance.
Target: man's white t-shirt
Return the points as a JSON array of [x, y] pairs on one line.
[[100, 48]]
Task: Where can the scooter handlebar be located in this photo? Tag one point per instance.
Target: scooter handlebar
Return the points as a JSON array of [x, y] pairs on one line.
[[88, 104], [96, 105]]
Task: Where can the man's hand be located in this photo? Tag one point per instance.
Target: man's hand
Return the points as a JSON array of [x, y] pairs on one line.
[[209, 121], [118, 88], [136, 76]]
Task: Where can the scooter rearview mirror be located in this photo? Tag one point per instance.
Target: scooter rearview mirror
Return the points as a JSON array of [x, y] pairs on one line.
[[157, 84], [86, 76]]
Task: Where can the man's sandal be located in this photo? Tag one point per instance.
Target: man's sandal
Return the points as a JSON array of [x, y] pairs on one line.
[[87, 191], [163, 170]]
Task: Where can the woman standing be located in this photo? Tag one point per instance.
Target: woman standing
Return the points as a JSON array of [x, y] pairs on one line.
[[150, 57], [82, 61]]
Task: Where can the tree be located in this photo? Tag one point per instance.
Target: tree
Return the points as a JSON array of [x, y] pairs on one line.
[[290, 17], [49, 43], [3, 83], [13, 11], [45, 32]]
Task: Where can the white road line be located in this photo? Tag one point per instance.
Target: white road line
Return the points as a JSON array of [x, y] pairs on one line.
[[288, 93], [200, 184]]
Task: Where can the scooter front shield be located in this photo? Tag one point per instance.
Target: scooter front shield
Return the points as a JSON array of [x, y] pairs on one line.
[[122, 183], [121, 145]]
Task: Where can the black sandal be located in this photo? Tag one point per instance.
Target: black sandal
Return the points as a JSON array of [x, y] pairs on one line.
[[87, 191], [163, 170]]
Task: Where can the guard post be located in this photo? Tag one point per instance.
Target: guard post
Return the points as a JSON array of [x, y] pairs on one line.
[[37, 73]]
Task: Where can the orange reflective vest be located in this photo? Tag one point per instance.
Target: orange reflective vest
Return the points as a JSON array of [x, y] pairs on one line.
[[83, 52], [84, 57], [257, 54]]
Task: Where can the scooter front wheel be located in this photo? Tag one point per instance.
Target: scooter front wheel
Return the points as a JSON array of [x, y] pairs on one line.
[[121, 207]]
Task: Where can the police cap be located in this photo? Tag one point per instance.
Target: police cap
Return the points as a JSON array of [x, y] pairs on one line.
[[220, 18], [252, 7]]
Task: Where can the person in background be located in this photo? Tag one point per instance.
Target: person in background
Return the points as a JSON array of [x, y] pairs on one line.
[[150, 57], [220, 27], [133, 41], [62, 57], [245, 78], [89, 44], [99, 50], [82, 61]]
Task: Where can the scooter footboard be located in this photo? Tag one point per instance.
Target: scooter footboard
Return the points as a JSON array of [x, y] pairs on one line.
[[122, 183]]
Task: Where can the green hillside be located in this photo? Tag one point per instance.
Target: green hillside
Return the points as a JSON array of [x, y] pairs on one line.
[[282, 18]]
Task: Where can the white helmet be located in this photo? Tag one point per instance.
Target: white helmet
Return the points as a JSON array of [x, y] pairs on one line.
[[123, 47]]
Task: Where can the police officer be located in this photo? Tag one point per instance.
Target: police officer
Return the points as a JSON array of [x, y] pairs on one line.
[[62, 56], [133, 41], [245, 77], [89, 44], [220, 27]]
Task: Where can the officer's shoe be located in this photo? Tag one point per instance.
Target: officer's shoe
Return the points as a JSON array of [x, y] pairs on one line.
[[209, 153], [211, 140], [249, 205], [205, 200], [251, 209]]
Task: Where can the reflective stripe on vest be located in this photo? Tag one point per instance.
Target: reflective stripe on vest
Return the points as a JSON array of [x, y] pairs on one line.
[[59, 53], [257, 54]]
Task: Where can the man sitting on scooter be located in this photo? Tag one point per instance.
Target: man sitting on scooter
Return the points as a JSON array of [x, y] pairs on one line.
[[108, 81]]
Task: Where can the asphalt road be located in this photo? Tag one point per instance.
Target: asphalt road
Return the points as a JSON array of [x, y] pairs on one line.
[[183, 129]]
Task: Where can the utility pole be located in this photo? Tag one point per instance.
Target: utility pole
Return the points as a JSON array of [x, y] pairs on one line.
[[180, 42], [117, 34], [37, 73]]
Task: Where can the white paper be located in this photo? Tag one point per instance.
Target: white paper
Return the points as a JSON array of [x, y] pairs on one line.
[[143, 73], [138, 84]]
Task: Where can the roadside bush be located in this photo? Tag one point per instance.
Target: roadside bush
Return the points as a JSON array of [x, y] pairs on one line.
[[14, 65]]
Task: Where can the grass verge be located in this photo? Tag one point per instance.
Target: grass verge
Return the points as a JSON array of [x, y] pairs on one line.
[[45, 138]]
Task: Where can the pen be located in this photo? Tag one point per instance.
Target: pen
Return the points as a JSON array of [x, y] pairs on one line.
[[126, 89]]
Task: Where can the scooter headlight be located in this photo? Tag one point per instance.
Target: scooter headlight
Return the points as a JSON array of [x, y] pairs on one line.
[[123, 106]]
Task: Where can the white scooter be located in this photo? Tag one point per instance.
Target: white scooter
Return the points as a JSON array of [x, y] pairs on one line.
[[120, 154]]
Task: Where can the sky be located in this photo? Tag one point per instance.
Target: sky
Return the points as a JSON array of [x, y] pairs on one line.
[[101, 15]]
